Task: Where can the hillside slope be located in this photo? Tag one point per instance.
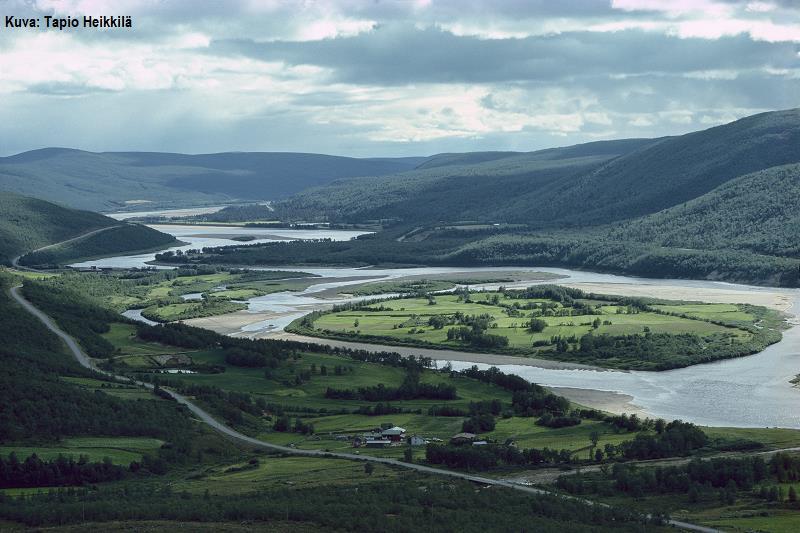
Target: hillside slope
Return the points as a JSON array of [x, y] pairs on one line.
[[109, 181], [589, 184], [29, 223], [678, 169], [452, 187], [756, 212]]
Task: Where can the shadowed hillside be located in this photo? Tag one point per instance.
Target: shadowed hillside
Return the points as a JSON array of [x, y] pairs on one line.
[[488, 186], [756, 212], [112, 180], [28, 223]]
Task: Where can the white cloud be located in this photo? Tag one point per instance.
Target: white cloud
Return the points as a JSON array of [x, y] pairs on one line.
[[169, 75], [760, 7], [675, 7]]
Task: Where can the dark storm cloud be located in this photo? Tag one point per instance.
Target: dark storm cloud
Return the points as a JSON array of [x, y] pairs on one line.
[[402, 54]]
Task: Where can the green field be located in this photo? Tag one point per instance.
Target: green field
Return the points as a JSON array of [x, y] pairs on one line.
[[777, 521], [312, 393], [120, 390], [404, 315], [711, 331], [332, 417], [160, 294], [121, 450], [276, 471], [191, 309]]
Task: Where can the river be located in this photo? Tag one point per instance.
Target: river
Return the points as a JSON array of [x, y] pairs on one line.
[[749, 391]]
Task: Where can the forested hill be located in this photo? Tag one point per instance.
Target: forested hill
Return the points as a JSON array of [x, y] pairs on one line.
[[757, 212], [472, 186], [112, 180], [566, 187], [29, 223], [679, 169]]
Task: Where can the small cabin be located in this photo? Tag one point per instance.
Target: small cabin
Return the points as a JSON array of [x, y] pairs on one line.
[[462, 438], [416, 440]]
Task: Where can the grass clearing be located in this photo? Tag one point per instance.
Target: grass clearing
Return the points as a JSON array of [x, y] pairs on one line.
[[406, 319], [120, 390], [312, 393], [121, 450], [772, 438], [275, 471]]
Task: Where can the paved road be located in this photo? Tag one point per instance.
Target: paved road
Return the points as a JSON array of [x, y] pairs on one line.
[[15, 261], [206, 418]]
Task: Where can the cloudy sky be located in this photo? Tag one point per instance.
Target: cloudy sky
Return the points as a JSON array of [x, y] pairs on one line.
[[391, 78]]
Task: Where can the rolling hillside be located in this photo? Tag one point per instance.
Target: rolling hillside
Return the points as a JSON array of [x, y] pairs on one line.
[[757, 212], [110, 181], [452, 187], [29, 223], [590, 184]]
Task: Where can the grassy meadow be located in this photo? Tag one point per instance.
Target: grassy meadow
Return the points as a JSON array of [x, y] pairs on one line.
[[121, 450], [407, 319]]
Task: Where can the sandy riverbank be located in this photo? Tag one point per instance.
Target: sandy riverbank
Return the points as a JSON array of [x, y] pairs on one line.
[[613, 402], [232, 323], [521, 278], [777, 300]]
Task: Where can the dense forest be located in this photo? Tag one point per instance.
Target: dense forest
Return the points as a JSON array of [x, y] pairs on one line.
[[722, 478], [401, 505]]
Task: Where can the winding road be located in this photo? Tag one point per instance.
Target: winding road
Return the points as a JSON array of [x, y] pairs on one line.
[[206, 418]]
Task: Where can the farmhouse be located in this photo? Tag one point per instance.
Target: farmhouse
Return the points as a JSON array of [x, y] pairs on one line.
[[416, 440], [394, 434], [462, 438]]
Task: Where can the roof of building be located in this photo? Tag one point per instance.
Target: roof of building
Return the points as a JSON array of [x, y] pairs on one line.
[[468, 436], [394, 431]]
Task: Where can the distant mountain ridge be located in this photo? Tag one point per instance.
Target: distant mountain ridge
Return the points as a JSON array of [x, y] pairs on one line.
[[111, 180], [452, 187]]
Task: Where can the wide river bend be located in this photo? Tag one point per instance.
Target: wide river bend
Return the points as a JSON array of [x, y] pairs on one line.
[[752, 391]]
